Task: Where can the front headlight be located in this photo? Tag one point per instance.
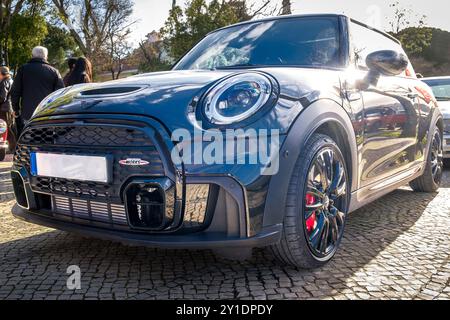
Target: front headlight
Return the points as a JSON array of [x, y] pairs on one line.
[[237, 98], [49, 99]]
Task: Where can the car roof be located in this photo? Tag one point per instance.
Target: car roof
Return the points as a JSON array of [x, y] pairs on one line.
[[293, 16]]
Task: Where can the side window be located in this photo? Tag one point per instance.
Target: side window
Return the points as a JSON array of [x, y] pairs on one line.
[[365, 41]]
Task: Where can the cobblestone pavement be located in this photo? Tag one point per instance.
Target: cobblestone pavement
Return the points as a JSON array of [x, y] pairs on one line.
[[395, 248]]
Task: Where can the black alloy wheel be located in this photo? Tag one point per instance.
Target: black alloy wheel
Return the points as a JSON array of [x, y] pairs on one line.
[[325, 202], [431, 178], [437, 158], [316, 205]]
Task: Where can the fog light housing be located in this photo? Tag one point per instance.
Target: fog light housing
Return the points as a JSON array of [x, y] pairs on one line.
[[19, 190], [149, 205]]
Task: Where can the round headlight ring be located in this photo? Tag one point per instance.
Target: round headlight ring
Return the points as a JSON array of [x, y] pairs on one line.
[[215, 101]]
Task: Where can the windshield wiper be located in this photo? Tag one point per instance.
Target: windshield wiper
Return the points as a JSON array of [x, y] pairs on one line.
[[238, 66]]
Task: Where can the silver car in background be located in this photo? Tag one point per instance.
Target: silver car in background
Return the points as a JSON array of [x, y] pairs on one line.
[[441, 89]]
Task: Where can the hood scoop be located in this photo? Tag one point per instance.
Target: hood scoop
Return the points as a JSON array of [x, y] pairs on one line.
[[111, 91]]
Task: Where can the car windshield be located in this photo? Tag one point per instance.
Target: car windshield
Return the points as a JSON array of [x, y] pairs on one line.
[[305, 41], [440, 87]]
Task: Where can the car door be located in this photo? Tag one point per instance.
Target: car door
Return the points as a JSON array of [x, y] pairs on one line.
[[390, 112]]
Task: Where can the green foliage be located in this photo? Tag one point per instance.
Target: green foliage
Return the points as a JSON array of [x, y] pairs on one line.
[[415, 39], [439, 49], [410, 28], [27, 31], [61, 46], [183, 29], [153, 66], [150, 58]]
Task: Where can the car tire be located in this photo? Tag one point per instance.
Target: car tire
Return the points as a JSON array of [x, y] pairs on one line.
[[431, 179], [296, 246], [2, 154]]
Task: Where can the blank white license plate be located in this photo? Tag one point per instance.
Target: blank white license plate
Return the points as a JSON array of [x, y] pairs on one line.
[[72, 167]]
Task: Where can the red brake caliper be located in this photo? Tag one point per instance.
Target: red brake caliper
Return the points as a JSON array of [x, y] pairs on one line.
[[311, 222]]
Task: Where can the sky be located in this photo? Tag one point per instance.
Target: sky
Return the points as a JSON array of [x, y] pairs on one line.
[[151, 14]]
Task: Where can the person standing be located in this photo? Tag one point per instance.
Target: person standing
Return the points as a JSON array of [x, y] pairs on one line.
[[5, 104], [34, 81], [82, 72], [71, 63]]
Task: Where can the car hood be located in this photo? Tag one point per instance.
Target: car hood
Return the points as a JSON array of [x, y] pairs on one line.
[[138, 94], [168, 96]]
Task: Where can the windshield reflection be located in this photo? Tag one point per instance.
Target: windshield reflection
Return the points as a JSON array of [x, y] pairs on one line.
[[300, 41]]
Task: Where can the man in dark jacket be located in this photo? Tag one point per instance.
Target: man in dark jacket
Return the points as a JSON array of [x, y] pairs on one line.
[[33, 82]]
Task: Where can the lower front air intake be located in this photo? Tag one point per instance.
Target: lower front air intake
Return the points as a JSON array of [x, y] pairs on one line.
[[150, 205]]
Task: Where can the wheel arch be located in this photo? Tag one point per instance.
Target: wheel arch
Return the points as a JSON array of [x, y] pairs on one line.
[[437, 121], [336, 131], [323, 116], [440, 125]]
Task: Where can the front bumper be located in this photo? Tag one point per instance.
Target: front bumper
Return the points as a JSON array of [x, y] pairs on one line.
[[201, 240], [227, 225], [224, 218]]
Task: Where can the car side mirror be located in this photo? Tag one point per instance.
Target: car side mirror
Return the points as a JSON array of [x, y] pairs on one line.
[[385, 62]]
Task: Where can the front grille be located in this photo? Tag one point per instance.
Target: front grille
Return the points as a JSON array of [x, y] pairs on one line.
[[106, 136], [119, 142], [90, 210], [103, 204], [81, 189]]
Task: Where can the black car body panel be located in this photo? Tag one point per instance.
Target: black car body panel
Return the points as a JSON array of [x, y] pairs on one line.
[[384, 131]]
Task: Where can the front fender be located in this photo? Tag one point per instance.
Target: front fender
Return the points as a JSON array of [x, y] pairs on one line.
[[314, 116]]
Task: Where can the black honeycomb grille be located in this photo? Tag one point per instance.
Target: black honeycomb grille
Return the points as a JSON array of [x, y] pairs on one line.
[[67, 144], [22, 156], [85, 135], [81, 189]]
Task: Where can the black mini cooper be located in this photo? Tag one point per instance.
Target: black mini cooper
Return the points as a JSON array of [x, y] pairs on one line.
[[174, 159]]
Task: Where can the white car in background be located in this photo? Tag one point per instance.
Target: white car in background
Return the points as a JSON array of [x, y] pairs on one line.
[[441, 89]]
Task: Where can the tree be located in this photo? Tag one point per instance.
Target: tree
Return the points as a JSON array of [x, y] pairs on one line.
[[118, 50], [286, 7], [404, 17], [184, 28], [10, 10], [151, 55], [257, 8], [60, 46], [22, 41], [95, 25], [415, 39], [410, 29]]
